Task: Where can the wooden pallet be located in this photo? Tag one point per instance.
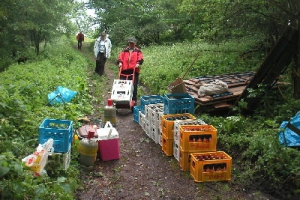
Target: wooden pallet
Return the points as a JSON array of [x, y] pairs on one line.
[[237, 82]]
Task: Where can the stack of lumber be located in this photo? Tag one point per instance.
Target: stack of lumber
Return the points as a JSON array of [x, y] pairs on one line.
[[236, 82]]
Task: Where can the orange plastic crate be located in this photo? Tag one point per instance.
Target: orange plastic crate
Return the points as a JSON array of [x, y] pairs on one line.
[[195, 138], [215, 167], [167, 123], [176, 150], [184, 160], [167, 146]]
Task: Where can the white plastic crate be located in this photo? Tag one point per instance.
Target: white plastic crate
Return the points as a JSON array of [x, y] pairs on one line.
[[64, 159], [155, 113], [122, 90], [176, 150], [121, 95], [147, 128], [160, 138], [154, 133], [152, 113], [119, 84], [160, 114], [141, 118], [144, 123], [177, 125]]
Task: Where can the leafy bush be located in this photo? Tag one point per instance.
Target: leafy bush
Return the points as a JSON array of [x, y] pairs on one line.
[[24, 105]]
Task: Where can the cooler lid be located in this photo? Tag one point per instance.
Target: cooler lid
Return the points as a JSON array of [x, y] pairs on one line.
[[107, 133]]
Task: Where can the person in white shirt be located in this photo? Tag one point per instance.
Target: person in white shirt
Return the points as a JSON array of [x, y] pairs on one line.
[[102, 49]]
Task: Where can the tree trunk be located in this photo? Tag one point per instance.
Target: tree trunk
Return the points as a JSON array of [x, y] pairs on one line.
[[296, 70]]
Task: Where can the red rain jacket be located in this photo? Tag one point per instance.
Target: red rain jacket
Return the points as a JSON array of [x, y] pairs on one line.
[[80, 37], [130, 59]]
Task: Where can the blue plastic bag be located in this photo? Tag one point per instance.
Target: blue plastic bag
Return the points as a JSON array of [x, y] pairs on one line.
[[61, 95], [289, 134]]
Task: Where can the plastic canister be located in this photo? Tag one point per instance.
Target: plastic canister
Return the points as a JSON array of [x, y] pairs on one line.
[[110, 113], [87, 150]]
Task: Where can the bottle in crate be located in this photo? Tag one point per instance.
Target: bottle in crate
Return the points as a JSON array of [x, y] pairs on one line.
[[196, 138]]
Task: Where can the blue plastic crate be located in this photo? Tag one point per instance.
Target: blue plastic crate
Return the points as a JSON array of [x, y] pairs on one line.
[[61, 131], [136, 110], [179, 103], [151, 99]]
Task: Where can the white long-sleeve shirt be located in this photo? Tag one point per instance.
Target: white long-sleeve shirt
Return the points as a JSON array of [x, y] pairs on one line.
[[107, 44]]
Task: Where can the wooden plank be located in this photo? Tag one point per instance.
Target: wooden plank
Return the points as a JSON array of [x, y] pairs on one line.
[[237, 82], [222, 105]]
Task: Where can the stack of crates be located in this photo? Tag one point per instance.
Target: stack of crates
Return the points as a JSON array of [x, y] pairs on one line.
[[143, 118], [167, 127], [195, 139], [169, 121], [61, 131], [122, 91], [177, 124], [153, 113], [180, 106]]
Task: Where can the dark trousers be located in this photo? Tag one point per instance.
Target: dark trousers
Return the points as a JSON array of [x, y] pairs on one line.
[[79, 44], [100, 63], [135, 84]]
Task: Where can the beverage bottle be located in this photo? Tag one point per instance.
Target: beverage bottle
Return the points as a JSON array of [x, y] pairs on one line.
[[110, 113]]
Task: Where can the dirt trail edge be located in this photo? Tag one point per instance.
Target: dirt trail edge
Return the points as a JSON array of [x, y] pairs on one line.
[[144, 171]]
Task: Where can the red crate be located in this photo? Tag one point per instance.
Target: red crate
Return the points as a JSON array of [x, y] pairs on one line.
[[195, 138], [210, 166], [167, 146], [167, 123]]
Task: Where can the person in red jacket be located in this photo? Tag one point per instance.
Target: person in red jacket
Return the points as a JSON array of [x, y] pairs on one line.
[[80, 39], [130, 58]]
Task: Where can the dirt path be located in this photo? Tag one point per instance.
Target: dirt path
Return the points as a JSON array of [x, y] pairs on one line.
[[144, 171]]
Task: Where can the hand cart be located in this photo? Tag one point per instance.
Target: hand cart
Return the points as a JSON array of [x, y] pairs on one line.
[[122, 91]]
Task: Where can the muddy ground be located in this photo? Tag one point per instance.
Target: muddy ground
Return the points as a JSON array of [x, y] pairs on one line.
[[143, 170]]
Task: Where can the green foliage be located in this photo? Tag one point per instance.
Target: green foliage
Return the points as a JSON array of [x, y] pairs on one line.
[[28, 23], [176, 59], [257, 155], [24, 105]]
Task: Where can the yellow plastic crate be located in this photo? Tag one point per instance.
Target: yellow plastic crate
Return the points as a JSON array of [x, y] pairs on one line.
[[167, 123], [167, 146], [184, 160], [195, 138], [210, 166]]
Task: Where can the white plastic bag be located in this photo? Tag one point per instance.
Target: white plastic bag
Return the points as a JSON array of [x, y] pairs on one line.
[[215, 87]]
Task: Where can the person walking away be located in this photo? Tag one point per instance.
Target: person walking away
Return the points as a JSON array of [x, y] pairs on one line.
[[130, 58], [80, 39], [102, 49]]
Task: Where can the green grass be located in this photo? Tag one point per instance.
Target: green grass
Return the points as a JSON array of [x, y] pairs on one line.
[[163, 64]]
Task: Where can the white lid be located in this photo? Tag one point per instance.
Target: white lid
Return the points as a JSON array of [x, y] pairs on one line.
[[107, 133]]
